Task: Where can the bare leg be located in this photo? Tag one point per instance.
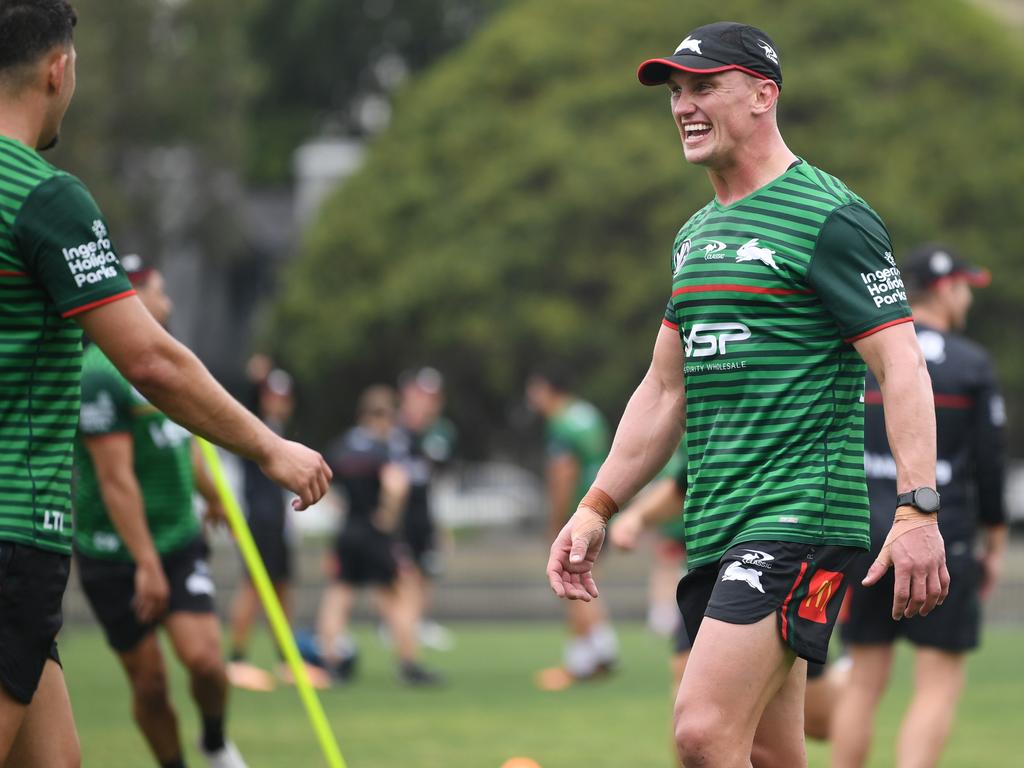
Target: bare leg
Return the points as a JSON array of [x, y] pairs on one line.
[[854, 714], [733, 672], [779, 739], [47, 735], [938, 683], [819, 703], [12, 715], [151, 701], [244, 609], [398, 612], [196, 640], [332, 619], [583, 617]]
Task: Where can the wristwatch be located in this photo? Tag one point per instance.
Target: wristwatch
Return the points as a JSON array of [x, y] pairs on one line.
[[924, 498]]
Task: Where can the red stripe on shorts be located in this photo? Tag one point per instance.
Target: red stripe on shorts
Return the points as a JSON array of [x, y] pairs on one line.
[[785, 603]]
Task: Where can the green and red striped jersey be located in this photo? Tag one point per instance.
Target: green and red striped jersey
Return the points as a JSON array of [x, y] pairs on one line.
[[161, 462], [768, 294], [56, 260], [580, 431]]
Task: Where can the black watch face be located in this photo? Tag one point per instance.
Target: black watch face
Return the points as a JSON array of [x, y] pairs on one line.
[[926, 499]]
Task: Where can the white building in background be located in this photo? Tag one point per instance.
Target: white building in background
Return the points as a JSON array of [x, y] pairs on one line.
[[320, 165]]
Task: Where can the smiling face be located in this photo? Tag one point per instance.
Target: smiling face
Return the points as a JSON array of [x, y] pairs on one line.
[[717, 113]]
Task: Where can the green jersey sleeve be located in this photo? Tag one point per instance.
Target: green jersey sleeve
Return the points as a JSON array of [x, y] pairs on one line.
[[66, 247], [106, 402], [854, 274]]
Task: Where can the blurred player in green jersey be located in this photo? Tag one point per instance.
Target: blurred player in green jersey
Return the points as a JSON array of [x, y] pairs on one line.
[[60, 274], [577, 443], [140, 550]]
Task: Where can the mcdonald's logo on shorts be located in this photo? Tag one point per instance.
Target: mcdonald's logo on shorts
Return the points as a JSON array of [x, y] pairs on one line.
[[823, 587]]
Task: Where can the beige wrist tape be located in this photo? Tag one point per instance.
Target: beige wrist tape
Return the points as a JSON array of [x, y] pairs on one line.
[[910, 520], [600, 502]]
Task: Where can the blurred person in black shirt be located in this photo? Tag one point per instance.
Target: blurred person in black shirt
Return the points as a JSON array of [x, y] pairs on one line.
[[369, 552], [266, 514], [970, 469], [425, 441]]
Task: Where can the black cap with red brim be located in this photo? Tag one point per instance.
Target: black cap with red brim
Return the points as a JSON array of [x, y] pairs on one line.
[[718, 47], [927, 265]]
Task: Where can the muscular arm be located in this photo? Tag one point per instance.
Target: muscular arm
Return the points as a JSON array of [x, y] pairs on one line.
[[394, 492], [172, 378], [895, 358], [914, 546], [112, 456], [661, 503], [204, 483], [562, 473], [648, 433], [651, 425]]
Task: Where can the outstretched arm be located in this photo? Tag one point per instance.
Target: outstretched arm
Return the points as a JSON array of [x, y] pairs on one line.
[[914, 545], [648, 433], [172, 378]]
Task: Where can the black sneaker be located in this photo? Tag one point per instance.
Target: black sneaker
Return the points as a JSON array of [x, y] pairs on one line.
[[411, 673], [345, 669]]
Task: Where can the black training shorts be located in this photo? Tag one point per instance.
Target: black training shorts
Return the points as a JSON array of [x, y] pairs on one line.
[[681, 642], [953, 626], [366, 556], [421, 539], [269, 532], [32, 583], [802, 584], [110, 586]]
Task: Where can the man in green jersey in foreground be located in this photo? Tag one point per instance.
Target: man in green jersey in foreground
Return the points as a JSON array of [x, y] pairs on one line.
[[59, 274], [140, 550], [783, 286], [577, 443]]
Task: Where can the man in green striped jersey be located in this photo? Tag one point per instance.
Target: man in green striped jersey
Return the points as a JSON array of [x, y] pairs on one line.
[[784, 285], [139, 547], [59, 274]]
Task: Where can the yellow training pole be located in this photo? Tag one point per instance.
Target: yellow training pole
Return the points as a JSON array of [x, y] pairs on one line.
[[275, 615]]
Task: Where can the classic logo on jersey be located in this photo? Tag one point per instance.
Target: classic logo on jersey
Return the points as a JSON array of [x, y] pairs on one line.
[[736, 572], [933, 346], [769, 52], [199, 581], [941, 263], [98, 415], [885, 286], [680, 257], [751, 251], [713, 250], [708, 339], [997, 411], [824, 586], [92, 262], [688, 44], [882, 466], [758, 558]]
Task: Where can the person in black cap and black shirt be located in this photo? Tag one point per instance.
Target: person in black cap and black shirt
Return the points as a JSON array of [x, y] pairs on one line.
[[970, 470], [783, 287]]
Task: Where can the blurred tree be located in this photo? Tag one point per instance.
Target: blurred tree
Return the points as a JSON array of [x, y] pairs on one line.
[[327, 66], [155, 76], [522, 204]]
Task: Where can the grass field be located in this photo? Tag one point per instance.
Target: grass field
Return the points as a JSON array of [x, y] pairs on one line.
[[489, 711]]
